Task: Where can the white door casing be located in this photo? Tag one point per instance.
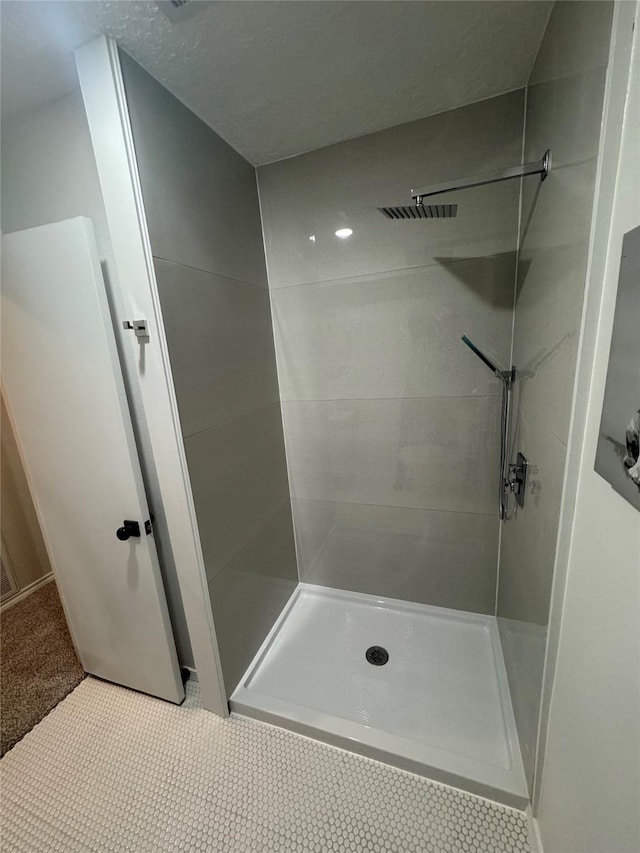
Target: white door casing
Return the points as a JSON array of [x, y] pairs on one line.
[[66, 398], [105, 104]]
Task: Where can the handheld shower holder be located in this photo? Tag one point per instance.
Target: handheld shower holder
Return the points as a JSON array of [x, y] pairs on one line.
[[507, 376], [507, 477]]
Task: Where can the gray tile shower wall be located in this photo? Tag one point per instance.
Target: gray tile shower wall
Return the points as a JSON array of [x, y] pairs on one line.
[[564, 113], [203, 216], [391, 425], [427, 453], [387, 548], [225, 363]]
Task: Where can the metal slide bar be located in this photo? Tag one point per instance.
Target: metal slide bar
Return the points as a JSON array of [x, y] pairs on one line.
[[539, 167], [507, 377]]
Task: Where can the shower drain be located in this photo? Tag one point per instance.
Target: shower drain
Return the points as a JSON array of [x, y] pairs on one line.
[[377, 655]]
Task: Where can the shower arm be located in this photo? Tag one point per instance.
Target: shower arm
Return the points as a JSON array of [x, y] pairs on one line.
[[539, 167], [506, 376]]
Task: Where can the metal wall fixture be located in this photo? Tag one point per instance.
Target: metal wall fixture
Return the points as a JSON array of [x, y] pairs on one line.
[[420, 211], [517, 478], [513, 477], [538, 167], [507, 377], [140, 327]]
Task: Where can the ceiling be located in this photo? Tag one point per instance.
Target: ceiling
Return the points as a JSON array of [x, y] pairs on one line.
[[278, 78]]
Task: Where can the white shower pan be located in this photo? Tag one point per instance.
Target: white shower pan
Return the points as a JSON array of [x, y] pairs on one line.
[[439, 707]]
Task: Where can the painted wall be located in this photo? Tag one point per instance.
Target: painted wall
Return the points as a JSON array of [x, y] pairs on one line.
[[590, 785], [21, 532], [391, 423], [564, 110], [203, 216], [49, 174]]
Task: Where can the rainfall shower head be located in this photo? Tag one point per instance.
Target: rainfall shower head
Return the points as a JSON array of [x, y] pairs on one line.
[[506, 376], [420, 211]]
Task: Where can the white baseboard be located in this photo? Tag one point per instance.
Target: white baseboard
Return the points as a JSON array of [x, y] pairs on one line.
[[24, 593]]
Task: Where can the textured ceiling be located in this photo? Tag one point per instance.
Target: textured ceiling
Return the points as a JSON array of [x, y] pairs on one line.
[[278, 78]]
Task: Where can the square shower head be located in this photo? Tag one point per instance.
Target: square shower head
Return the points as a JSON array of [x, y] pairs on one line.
[[420, 211]]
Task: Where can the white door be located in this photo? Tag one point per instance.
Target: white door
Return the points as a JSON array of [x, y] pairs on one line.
[[66, 398]]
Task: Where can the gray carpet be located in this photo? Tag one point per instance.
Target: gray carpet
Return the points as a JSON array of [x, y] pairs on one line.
[[38, 665]]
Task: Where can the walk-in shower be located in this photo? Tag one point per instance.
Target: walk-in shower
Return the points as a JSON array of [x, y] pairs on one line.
[[389, 645]]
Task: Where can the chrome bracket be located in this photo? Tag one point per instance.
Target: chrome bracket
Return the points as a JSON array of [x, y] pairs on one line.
[[507, 376], [139, 327]]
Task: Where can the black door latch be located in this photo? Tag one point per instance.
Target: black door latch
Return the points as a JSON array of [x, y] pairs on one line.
[[129, 529], [132, 528]]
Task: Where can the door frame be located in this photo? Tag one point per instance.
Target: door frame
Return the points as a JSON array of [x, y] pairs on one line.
[[105, 103]]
